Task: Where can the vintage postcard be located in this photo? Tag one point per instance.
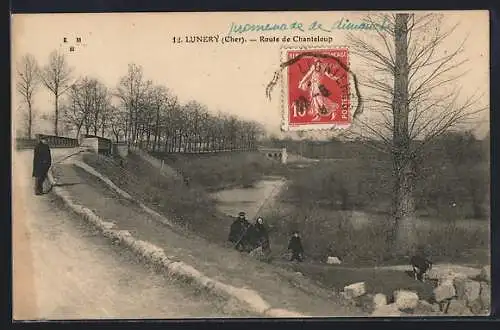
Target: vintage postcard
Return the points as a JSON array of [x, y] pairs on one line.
[[250, 164]]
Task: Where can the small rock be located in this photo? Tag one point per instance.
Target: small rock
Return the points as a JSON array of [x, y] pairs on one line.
[[405, 300], [467, 289], [355, 290], [387, 310], [485, 274], [445, 290], [485, 296], [333, 261], [459, 307]]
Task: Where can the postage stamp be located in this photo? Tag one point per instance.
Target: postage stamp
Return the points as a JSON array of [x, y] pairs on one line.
[[316, 88]]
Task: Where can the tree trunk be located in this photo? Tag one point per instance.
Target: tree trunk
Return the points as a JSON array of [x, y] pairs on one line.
[[103, 127], [30, 119], [78, 129], [404, 234], [56, 119]]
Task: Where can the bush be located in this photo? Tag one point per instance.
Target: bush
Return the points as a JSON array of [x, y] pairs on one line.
[[342, 185], [361, 239]]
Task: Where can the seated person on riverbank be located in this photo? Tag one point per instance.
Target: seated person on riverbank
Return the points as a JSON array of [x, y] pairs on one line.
[[238, 231], [258, 236]]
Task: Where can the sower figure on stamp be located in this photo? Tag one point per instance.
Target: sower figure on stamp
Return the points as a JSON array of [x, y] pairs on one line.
[[295, 246], [320, 104], [42, 160]]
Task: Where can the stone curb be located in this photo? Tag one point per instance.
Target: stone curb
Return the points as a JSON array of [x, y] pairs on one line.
[[177, 269]]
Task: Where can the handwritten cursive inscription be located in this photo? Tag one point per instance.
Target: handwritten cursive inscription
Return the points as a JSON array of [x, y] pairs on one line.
[[342, 24]]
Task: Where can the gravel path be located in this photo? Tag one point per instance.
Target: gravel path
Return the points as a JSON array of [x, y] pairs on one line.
[[62, 269]]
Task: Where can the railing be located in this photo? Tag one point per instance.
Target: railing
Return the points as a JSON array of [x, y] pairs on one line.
[[52, 140]]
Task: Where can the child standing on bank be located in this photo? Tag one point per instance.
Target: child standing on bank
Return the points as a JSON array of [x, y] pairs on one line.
[[295, 246]]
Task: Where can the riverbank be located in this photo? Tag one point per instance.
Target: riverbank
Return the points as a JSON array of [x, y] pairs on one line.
[[219, 171]]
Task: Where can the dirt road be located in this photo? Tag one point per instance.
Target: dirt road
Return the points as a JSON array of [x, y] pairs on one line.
[[62, 269]]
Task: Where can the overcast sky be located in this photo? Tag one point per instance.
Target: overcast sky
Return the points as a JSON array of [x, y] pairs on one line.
[[225, 77]]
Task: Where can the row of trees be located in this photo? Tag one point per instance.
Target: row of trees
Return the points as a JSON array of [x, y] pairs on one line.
[[137, 110], [55, 76]]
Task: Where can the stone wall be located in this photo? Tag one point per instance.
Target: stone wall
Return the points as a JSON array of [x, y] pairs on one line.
[[455, 294]]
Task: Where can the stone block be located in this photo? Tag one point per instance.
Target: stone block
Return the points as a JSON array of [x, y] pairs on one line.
[[424, 308], [405, 300], [379, 300], [333, 261], [459, 308], [467, 289], [355, 290], [476, 307], [485, 296], [485, 274], [445, 290]]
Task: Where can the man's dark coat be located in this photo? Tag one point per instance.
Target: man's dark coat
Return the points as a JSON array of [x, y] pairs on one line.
[[42, 160]]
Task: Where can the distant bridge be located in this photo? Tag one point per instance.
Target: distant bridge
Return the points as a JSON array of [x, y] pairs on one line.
[[279, 154]]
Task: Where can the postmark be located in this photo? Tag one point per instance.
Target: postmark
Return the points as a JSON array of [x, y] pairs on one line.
[[316, 89]]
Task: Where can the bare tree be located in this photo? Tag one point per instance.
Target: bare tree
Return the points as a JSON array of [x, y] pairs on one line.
[[81, 104], [412, 98], [117, 122], [100, 105], [132, 90], [56, 77], [27, 85]]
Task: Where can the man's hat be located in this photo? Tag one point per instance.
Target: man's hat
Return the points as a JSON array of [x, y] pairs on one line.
[[241, 214]]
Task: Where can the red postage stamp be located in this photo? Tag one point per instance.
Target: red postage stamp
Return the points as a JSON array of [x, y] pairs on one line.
[[316, 93]]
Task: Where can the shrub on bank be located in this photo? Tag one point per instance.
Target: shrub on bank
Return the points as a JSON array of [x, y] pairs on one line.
[[360, 238]]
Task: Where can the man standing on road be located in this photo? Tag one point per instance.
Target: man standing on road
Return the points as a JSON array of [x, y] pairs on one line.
[[42, 160]]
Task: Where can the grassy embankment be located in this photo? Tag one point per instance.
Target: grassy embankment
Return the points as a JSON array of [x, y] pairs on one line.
[[325, 202], [216, 171], [175, 200]]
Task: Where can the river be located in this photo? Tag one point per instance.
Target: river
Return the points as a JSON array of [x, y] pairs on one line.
[[249, 200]]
